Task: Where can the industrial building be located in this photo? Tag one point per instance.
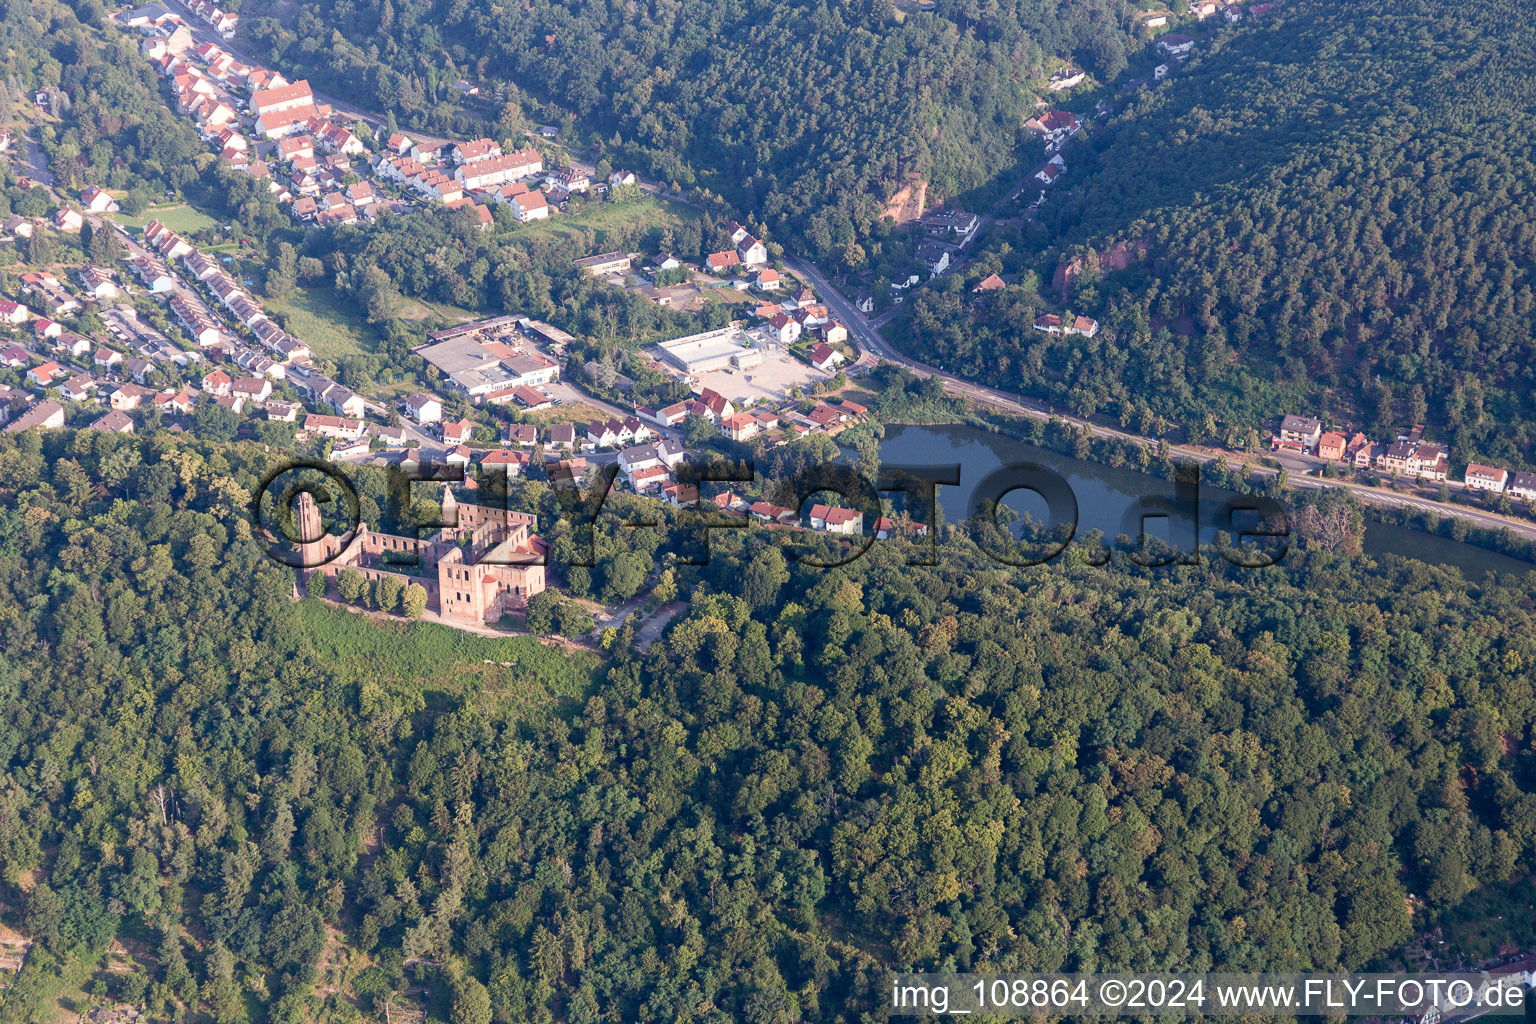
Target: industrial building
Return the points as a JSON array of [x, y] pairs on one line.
[[712, 350]]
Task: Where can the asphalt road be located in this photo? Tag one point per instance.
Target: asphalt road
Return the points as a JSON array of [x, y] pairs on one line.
[[868, 337], [871, 340], [37, 163]]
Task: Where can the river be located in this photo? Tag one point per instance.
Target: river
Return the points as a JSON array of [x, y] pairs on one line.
[[1112, 500]]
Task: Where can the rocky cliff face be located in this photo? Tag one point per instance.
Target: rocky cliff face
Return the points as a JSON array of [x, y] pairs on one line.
[[907, 204]]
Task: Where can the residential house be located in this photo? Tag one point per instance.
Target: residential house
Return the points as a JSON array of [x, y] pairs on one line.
[[1065, 79], [475, 151], [153, 274], [14, 313], [720, 262], [98, 283], [641, 457], [295, 147], [990, 283], [1087, 326], [505, 461], [752, 251], [959, 226], [12, 402], [394, 436], [68, 220], [933, 256], [607, 433], [1331, 446], [1367, 455], [1300, 433], [44, 374], [45, 415], [678, 494], [216, 382], [771, 513], [837, 520], [715, 406], [1053, 125], [498, 170], [423, 408], [524, 435], [252, 389], [1176, 44], [127, 397], [1394, 459], [79, 388], [1523, 486], [1354, 447], [1429, 462], [825, 358], [338, 427], [826, 417], [1054, 168], [529, 206], [571, 179], [785, 330], [297, 96], [1486, 478], [98, 201], [767, 279], [457, 433], [741, 426], [138, 369], [283, 412], [344, 401], [72, 345]]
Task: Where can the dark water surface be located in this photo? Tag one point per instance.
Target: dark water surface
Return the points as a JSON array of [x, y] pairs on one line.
[[1112, 501]]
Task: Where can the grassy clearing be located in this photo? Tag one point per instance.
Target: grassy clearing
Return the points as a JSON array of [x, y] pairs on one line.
[[421, 309], [323, 322], [179, 217], [567, 412], [332, 328], [602, 218], [430, 658]]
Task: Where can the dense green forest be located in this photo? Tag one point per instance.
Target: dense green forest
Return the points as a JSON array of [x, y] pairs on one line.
[[813, 777], [1336, 204], [807, 115], [113, 128]]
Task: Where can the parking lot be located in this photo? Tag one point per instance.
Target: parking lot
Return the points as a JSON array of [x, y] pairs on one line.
[[769, 381]]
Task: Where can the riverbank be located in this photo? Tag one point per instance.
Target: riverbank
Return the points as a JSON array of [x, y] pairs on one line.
[[1115, 480]]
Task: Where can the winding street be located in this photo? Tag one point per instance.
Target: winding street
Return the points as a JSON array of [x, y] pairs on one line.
[[870, 340], [867, 335]]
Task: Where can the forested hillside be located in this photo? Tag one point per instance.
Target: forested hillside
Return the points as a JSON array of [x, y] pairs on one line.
[[804, 113], [1338, 206], [113, 129], [814, 777]]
